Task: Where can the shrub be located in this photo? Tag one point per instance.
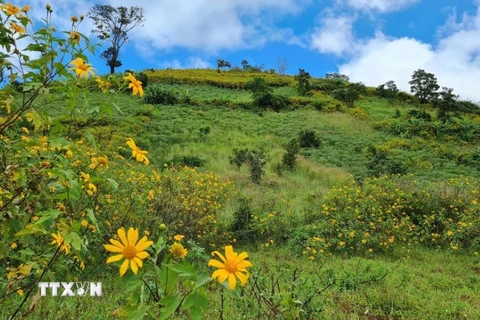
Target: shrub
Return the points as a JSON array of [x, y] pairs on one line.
[[382, 164], [289, 159], [393, 212], [308, 139], [255, 160], [243, 223], [158, 94], [189, 161], [303, 82]]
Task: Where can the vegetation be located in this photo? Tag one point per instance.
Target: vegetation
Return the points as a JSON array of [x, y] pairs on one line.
[[113, 24], [348, 208]]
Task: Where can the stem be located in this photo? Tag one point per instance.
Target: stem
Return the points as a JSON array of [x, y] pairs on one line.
[[222, 301]]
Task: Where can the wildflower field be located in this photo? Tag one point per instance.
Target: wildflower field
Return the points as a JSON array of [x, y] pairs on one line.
[[187, 202]]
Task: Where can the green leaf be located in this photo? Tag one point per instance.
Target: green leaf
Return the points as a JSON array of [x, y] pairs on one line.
[[31, 229], [92, 218], [170, 304], [201, 281], [133, 313], [74, 239], [113, 185], [117, 108], [48, 215], [183, 270], [196, 303], [91, 139]]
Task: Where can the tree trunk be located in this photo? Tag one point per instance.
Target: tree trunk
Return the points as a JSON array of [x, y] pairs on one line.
[[112, 69]]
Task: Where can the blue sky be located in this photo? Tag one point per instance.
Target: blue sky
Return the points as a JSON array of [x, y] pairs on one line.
[[371, 41]]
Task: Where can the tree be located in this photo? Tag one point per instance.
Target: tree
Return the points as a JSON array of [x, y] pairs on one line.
[[424, 86], [350, 94], [245, 64], [282, 65], [388, 90], [303, 79], [337, 76], [113, 24], [223, 64]]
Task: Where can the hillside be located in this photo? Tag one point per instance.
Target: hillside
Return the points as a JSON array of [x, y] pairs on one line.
[[375, 214]]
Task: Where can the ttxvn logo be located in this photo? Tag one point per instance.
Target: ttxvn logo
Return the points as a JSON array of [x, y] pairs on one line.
[[71, 289]]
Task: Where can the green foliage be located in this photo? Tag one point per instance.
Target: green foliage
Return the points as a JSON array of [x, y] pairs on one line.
[[263, 96], [303, 82], [388, 90], [255, 160], [424, 86], [289, 159], [381, 163], [243, 223], [158, 94], [350, 93], [223, 64], [308, 139]]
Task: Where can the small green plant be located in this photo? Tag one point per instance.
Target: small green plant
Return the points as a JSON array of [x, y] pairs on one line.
[[303, 82], [289, 159], [254, 158], [158, 94], [243, 223], [308, 139]]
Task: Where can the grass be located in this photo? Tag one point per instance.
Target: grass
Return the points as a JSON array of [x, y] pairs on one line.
[[424, 284]]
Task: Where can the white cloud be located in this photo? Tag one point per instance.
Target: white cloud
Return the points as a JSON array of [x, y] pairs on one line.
[[335, 35], [189, 63], [378, 5], [210, 26], [455, 60]]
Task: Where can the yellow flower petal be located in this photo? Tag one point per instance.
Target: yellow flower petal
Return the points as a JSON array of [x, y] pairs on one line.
[[217, 273], [222, 275], [220, 256], [244, 264], [111, 248], [116, 258], [243, 278], [123, 236], [229, 254], [134, 266], [241, 256], [124, 267], [132, 236], [142, 255], [216, 263], [117, 243], [138, 261], [143, 244], [232, 281]]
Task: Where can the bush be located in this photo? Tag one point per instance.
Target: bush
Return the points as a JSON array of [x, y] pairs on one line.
[[289, 159], [243, 223], [308, 139], [393, 212], [189, 161], [255, 160], [158, 94], [382, 164]]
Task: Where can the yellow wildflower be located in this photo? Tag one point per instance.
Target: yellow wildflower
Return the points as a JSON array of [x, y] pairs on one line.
[[74, 37], [20, 292], [18, 29], [178, 237], [10, 9], [60, 242], [177, 250], [81, 68], [13, 245], [135, 85], [231, 267], [137, 153], [129, 249], [84, 223]]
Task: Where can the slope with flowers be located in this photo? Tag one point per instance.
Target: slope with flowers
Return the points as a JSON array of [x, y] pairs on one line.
[[154, 201]]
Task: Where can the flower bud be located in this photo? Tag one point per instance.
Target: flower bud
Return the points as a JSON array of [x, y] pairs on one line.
[[48, 7], [74, 19], [163, 227]]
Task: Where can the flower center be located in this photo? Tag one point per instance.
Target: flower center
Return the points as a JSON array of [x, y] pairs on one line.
[[129, 252], [84, 67], [231, 266]]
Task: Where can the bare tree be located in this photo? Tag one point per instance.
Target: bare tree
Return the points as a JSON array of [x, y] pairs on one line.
[[282, 65]]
